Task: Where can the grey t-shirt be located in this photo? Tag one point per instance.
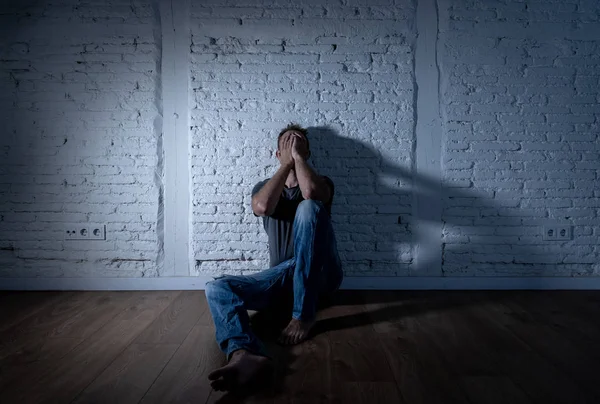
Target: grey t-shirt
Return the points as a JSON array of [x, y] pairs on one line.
[[279, 225]]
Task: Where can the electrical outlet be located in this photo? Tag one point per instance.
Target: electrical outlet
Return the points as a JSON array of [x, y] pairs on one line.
[[77, 232], [85, 232], [563, 232], [556, 233], [97, 232], [548, 233]]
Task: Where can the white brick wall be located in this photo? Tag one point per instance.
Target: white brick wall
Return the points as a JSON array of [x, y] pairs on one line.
[[522, 113], [82, 136], [78, 104], [319, 63]]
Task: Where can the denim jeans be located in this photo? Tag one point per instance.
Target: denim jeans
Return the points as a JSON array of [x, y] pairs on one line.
[[314, 271]]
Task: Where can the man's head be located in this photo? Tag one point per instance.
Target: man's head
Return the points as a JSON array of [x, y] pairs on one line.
[[290, 130]]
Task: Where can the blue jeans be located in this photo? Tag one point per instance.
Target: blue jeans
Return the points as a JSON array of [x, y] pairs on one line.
[[314, 271]]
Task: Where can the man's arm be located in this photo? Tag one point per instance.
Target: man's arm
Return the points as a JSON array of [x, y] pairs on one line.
[[312, 185], [265, 201]]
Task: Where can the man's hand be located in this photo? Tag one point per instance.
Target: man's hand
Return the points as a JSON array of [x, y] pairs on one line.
[[286, 151], [299, 147]]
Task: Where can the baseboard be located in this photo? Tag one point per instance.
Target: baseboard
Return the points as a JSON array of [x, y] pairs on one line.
[[352, 283], [472, 282]]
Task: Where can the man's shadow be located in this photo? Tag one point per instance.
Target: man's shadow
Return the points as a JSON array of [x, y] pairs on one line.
[[373, 216]]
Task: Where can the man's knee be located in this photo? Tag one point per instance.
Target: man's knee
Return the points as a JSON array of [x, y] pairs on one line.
[[309, 208], [215, 288]]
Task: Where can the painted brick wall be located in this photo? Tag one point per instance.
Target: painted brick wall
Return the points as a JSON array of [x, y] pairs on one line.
[[81, 134], [345, 69], [521, 149], [78, 84]]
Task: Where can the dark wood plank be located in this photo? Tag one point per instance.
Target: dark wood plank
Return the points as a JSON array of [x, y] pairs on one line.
[[66, 379], [32, 359], [92, 314], [467, 358], [17, 306], [586, 303], [525, 367], [464, 351], [386, 309], [414, 347], [573, 359], [306, 372], [174, 324], [355, 350], [493, 390], [33, 330], [128, 378], [42, 347], [421, 372], [185, 378], [566, 312], [369, 393]]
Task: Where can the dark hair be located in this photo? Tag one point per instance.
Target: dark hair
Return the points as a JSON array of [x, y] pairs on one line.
[[295, 127]]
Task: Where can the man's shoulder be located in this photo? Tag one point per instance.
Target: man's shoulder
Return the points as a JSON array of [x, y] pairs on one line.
[[263, 181], [259, 185], [329, 182], [326, 178]]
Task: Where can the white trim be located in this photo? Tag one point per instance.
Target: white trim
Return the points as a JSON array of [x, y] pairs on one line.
[[166, 283], [176, 140], [426, 186], [472, 283], [352, 283]]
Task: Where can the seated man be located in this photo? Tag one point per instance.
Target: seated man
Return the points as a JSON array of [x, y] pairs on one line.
[[295, 205]]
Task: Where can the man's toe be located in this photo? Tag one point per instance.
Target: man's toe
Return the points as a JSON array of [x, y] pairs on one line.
[[218, 385], [284, 339], [215, 374]]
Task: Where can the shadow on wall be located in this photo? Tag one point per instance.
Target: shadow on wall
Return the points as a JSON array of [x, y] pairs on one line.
[[372, 215]]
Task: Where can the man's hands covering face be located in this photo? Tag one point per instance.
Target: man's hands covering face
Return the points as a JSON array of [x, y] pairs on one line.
[[299, 147], [285, 150], [293, 146]]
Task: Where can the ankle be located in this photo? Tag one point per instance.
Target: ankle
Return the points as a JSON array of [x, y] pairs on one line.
[[242, 353], [303, 322], [238, 353]]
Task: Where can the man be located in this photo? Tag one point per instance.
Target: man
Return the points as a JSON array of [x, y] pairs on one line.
[[295, 205]]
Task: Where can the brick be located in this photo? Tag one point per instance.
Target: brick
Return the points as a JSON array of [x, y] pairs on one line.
[[525, 114]]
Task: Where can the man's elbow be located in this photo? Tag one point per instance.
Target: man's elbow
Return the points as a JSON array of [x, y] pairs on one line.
[[309, 194], [260, 209], [315, 195]]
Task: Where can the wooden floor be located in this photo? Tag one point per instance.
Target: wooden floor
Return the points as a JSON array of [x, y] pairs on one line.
[[368, 347]]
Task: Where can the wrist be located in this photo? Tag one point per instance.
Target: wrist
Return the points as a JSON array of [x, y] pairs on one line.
[[299, 159], [288, 166]]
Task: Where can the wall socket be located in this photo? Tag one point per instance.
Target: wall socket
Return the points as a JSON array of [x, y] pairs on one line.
[[557, 233], [85, 232]]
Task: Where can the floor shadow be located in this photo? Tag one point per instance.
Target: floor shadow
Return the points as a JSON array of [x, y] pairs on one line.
[[395, 305]]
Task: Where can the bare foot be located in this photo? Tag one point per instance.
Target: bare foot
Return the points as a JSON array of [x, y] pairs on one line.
[[244, 368], [295, 332]]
